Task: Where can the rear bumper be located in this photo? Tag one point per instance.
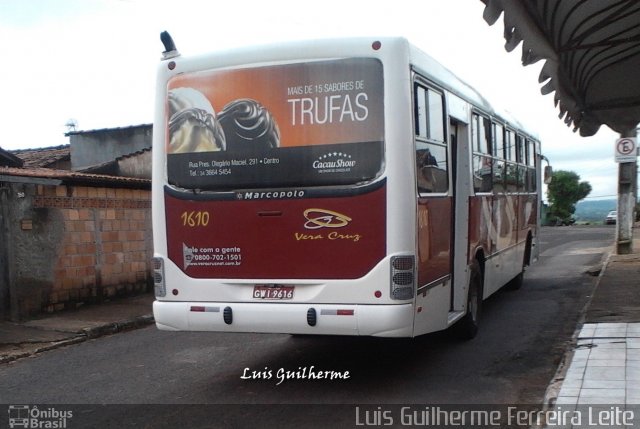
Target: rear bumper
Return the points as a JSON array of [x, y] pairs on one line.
[[330, 319]]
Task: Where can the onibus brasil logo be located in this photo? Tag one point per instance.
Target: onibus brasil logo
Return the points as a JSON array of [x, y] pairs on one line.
[[27, 416]]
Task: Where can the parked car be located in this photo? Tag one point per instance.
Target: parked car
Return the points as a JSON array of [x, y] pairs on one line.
[[558, 221], [611, 218]]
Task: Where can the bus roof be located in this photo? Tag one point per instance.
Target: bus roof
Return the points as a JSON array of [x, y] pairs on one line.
[[445, 78]]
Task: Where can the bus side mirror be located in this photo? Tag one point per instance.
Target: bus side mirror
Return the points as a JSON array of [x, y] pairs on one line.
[[548, 173]]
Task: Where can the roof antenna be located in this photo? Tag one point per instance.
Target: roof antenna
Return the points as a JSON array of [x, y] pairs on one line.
[[170, 50]]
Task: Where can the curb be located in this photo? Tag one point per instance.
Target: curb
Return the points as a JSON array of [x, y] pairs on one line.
[[51, 346], [85, 335], [115, 327]]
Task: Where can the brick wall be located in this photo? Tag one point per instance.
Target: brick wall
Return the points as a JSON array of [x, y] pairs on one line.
[[103, 246]]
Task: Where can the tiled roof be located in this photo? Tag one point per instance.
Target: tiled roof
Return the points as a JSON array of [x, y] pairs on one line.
[[7, 158], [134, 154], [43, 157], [73, 177]]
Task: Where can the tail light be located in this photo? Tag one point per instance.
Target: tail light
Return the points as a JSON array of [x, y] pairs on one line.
[[402, 277], [158, 277]]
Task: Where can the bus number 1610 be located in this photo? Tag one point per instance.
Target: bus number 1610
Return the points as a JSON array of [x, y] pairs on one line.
[[195, 218]]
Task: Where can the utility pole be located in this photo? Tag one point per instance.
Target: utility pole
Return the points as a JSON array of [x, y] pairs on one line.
[[626, 156]]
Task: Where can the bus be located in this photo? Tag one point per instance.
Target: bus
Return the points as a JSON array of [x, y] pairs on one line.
[[334, 187]]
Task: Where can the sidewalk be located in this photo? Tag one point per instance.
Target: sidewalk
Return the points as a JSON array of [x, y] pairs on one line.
[[604, 366], [18, 340]]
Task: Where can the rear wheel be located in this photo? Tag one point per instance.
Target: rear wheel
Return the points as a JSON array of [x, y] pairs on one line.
[[516, 282], [468, 326]]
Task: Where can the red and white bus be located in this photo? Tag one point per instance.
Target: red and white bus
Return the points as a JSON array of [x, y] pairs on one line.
[[338, 187]]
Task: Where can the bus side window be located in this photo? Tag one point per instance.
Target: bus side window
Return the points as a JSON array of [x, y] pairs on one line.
[[482, 161], [499, 167], [531, 166], [520, 159], [432, 168], [431, 149], [511, 175]]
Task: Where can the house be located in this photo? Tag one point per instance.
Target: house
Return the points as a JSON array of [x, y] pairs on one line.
[[73, 232], [99, 147], [137, 164]]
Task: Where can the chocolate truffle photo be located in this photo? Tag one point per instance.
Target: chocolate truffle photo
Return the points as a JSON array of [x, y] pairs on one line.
[[248, 125], [193, 126]]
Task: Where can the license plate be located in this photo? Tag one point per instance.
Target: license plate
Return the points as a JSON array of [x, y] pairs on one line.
[[273, 292]]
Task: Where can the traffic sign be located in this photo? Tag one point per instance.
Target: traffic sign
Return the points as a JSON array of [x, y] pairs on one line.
[[626, 149]]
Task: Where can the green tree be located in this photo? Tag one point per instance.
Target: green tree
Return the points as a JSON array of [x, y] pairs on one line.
[[564, 191]]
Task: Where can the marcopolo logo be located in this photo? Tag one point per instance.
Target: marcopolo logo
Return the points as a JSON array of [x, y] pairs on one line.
[[26, 416], [271, 194], [334, 162]]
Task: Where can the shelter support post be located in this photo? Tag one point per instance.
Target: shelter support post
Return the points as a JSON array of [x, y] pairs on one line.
[[627, 196]]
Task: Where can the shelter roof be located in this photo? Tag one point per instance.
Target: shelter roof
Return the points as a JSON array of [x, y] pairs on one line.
[[591, 50]]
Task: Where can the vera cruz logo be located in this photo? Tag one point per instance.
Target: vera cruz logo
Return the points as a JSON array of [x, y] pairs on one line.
[[321, 218]]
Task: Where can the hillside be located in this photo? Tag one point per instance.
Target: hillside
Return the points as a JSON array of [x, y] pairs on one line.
[[594, 210]]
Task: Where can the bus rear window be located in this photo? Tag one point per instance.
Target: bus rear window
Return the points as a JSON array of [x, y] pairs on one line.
[[305, 124]]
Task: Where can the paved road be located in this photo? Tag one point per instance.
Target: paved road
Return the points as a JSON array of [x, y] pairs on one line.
[[522, 341]]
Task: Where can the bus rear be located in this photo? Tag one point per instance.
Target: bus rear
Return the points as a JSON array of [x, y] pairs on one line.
[[270, 197]]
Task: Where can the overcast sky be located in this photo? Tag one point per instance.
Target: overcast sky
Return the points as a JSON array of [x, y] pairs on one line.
[[94, 61]]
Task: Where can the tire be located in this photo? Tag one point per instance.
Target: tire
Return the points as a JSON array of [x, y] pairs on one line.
[[467, 327], [516, 282]]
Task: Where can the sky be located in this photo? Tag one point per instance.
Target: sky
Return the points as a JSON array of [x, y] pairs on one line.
[[94, 62]]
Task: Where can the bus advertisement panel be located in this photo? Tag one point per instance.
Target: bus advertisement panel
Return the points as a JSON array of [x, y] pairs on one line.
[[305, 124]]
